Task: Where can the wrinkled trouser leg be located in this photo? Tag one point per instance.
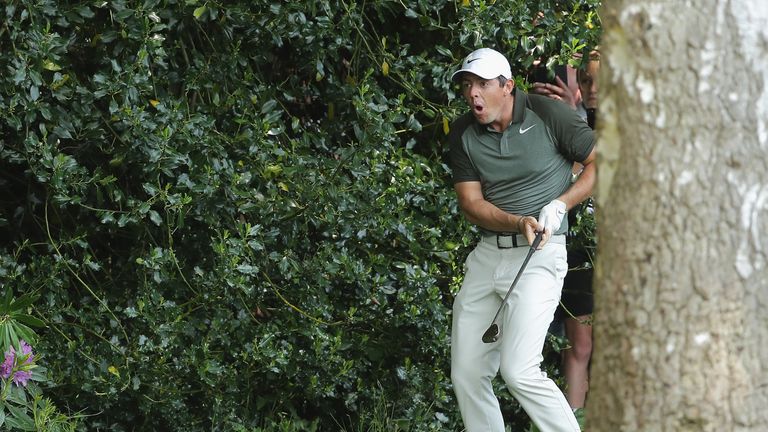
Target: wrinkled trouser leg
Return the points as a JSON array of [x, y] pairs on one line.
[[518, 352]]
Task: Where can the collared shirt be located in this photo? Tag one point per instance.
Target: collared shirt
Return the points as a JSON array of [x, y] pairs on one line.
[[527, 165]]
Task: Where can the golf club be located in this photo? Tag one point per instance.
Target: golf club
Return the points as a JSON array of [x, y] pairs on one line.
[[492, 334]]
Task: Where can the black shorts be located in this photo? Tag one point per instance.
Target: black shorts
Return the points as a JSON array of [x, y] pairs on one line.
[[577, 298]]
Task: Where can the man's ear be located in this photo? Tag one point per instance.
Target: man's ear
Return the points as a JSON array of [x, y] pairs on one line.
[[509, 86]]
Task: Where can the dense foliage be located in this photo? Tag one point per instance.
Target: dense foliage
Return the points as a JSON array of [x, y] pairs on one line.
[[237, 215]]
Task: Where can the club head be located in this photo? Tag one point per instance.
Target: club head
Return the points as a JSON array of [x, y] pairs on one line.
[[492, 334]]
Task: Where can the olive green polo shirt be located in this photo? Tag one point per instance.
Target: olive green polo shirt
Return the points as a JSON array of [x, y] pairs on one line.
[[524, 167]]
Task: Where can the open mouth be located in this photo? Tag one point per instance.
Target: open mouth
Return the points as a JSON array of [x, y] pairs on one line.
[[478, 109]]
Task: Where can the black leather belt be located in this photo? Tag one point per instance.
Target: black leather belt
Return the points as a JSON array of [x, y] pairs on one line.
[[506, 240], [513, 240]]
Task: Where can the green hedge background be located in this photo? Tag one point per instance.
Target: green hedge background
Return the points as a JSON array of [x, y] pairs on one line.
[[238, 215]]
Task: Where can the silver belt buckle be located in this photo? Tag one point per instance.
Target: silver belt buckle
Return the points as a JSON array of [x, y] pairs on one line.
[[506, 240]]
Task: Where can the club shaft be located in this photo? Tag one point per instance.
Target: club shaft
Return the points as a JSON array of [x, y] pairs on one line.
[[535, 244]]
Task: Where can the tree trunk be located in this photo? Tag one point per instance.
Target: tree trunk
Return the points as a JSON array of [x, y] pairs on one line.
[[681, 315]]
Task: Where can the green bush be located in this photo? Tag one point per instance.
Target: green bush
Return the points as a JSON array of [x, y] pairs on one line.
[[238, 215]]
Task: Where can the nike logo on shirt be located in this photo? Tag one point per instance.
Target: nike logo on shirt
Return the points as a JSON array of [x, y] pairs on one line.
[[522, 131]]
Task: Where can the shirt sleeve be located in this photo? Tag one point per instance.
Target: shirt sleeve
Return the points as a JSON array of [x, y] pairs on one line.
[[461, 165], [575, 139]]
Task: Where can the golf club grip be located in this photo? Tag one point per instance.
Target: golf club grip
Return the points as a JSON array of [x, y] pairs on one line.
[[536, 241]]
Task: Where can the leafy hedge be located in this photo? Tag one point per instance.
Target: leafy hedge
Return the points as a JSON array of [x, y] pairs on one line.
[[237, 214]]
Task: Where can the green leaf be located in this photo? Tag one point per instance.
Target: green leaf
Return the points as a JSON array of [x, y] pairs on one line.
[[199, 12], [13, 338], [268, 106], [6, 306], [444, 51], [4, 336], [23, 302], [155, 217], [29, 320], [51, 66], [19, 419], [18, 395], [85, 12]]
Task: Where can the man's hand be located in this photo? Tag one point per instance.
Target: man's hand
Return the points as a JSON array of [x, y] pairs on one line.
[[558, 91], [551, 216], [529, 226]]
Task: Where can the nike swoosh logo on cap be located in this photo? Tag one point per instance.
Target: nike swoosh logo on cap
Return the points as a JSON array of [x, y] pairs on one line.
[[470, 61], [522, 131]]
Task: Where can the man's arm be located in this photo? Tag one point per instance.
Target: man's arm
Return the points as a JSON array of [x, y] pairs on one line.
[[481, 212], [581, 189]]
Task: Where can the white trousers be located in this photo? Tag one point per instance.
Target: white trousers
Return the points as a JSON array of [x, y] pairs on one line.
[[518, 352]]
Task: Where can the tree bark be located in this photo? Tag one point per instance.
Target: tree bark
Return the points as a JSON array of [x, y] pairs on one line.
[[681, 285]]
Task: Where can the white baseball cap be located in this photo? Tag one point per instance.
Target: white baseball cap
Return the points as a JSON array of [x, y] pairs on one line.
[[485, 63]]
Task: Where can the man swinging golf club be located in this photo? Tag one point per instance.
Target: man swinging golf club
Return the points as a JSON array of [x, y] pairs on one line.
[[511, 158]]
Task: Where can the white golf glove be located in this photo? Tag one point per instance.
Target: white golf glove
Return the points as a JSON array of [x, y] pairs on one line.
[[552, 215]]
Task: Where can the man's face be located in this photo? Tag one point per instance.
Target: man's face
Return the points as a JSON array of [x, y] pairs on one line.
[[488, 99]]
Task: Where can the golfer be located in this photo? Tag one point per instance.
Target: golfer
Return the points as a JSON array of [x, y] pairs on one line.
[[511, 158]]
